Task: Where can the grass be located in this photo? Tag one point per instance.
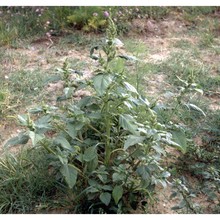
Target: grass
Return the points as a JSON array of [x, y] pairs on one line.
[[25, 184]]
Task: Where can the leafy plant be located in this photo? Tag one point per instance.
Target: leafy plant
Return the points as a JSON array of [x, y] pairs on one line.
[[181, 190], [88, 19], [108, 145]]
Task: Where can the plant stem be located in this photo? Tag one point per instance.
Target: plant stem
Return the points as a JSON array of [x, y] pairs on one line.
[[108, 133]]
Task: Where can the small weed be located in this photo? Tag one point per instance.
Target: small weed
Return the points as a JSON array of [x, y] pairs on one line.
[[4, 100], [207, 40], [183, 44]]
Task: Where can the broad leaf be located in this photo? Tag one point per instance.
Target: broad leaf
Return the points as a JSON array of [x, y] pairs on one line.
[[92, 165], [143, 171], [128, 123], [130, 88], [23, 119], [101, 83], [105, 198], [117, 193], [132, 140], [180, 138], [68, 91], [88, 100], [70, 174], [43, 124], [22, 138], [158, 149], [35, 110], [75, 109], [172, 143], [35, 138], [63, 142], [116, 177], [71, 130], [90, 154]]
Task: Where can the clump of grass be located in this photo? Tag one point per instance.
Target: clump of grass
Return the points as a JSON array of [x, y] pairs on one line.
[[183, 44], [207, 39], [4, 99], [25, 181], [183, 65]]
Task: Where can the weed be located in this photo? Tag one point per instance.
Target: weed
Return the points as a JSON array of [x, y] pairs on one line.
[[207, 39], [4, 100], [106, 146], [25, 181], [183, 44]]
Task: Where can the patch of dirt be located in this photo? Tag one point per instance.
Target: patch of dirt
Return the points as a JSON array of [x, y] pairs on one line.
[[158, 57], [153, 28], [163, 203], [7, 131]]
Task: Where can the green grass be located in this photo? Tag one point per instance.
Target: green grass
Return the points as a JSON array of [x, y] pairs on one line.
[[27, 85], [25, 181]]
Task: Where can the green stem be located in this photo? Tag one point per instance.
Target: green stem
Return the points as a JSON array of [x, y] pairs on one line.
[[172, 113], [108, 133]]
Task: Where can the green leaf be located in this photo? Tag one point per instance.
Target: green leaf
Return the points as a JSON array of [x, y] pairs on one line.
[[68, 91], [180, 138], [132, 140], [22, 138], [88, 100], [126, 57], [76, 110], [173, 195], [196, 108], [128, 123], [173, 144], [101, 83], [70, 174], [159, 149], [116, 177], [71, 131], [117, 193], [143, 171], [35, 110], [107, 187], [43, 124], [130, 88], [35, 138], [63, 142], [105, 198], [23, 119], [92, 164], [199, 91], [95, 115], [90, 154]]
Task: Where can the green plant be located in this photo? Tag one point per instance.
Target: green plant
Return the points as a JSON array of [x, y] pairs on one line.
[[24, 84], [207, 39], [108, 145], [181, 190], [4, 100], [88, 18], [26, 181]]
